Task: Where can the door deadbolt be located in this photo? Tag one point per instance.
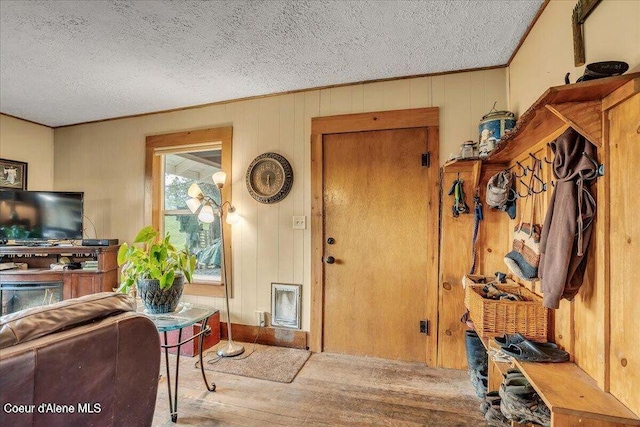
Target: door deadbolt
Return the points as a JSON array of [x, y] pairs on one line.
[[331, 241], [330, 260]]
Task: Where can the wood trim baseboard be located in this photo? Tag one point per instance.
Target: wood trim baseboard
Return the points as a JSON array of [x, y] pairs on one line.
[[26, 120], [279, 337], [317, 246], [621, 94], [207, 290], [199, 136], [433, 235], [380, 120]]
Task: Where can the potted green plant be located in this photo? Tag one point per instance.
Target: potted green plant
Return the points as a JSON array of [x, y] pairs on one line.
[[157, 268]]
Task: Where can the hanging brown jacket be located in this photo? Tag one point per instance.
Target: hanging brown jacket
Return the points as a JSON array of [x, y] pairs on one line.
[[566, 232]]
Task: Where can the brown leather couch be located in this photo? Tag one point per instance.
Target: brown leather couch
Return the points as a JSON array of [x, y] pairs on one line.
[[89, 361]]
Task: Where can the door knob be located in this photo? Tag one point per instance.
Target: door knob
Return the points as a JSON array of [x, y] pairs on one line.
[[330, 260]]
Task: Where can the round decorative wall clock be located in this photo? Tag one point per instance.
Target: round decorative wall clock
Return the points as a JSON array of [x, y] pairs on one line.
[[269, 178]]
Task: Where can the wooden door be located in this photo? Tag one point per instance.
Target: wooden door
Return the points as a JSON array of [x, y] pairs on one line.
[[624, 244], [377, 211]]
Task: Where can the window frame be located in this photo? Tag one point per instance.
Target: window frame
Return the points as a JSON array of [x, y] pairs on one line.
[[155, 147]]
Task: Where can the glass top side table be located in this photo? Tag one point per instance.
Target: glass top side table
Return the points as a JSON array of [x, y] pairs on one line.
[[186, 314]]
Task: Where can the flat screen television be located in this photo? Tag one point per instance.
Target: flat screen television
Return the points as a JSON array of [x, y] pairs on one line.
[[40, 215]]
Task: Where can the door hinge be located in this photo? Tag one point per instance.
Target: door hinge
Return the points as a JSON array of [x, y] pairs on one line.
[[426, 159], [424, 327]]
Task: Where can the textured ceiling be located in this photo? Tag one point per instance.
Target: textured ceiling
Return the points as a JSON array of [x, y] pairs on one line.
[[65, 62]]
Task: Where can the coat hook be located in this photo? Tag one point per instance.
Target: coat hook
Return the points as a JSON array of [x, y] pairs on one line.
[[520, 196], [547, 161], [535, 163], [527, 187], [599, 168], [544, 188], [524, 170], [544, 185]]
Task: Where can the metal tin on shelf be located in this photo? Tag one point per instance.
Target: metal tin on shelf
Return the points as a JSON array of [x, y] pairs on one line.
[[492, 127]]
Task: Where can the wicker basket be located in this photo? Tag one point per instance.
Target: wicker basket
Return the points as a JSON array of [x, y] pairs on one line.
[[493, 318]]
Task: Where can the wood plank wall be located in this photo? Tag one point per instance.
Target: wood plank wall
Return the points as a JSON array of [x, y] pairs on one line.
[[455, 261], [595, 326], [455, 254], [580, 322], [28, 142], [578, 327], [622, 156], [106, 161]]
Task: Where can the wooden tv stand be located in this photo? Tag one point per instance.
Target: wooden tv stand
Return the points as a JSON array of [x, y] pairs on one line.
[[75, 283]]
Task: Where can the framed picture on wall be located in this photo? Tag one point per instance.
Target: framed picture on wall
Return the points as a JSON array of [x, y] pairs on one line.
[[13, 175], [285, 305]]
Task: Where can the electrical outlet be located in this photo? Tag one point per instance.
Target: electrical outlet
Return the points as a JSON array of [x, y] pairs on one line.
[[299, 222], [261, 318], [424, 327]]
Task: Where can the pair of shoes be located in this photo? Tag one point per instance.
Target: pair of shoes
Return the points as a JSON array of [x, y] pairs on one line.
[[476, 352], [491, 291], [513, 339], [518, 346], [519, 401], [490, 399], [528, 351], [477, 362], [499, 356], [491, 410], [479, 381]]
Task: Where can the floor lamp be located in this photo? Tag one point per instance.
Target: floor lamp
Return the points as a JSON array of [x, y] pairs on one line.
[[203, 206]]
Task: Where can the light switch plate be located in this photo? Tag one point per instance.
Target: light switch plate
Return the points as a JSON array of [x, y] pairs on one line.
[[299, 222]]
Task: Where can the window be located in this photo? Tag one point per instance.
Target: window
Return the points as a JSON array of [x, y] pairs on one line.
[[173, 163], [180, 171]]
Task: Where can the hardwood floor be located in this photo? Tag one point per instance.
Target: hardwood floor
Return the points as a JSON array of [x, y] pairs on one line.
[[330, 390]]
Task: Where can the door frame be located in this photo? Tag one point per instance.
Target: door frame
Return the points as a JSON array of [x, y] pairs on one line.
[[361, 122]]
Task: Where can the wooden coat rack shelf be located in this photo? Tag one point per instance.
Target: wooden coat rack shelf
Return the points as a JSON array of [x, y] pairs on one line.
[[594, 389], [578, 105]]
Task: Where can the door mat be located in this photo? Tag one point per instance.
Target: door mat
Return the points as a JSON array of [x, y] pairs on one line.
[[265, 362]]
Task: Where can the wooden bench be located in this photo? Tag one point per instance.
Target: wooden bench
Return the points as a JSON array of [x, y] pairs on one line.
[[574, 398]]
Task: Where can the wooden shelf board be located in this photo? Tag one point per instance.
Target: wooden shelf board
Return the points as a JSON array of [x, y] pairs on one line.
[[19, 271], [584, 117], [538, 122], [567, 389], [461, 164], [36, 250], [503, 367]]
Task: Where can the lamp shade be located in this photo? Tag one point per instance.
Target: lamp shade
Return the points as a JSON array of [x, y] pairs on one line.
[[232, 215], [206, 214], [194, 191], [219, 178], [194, 204]]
